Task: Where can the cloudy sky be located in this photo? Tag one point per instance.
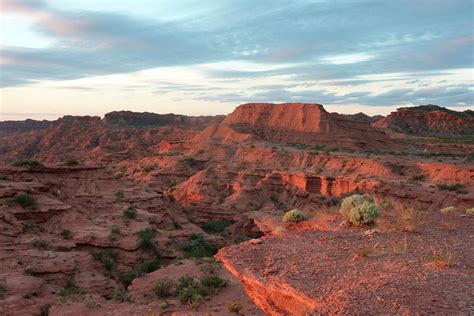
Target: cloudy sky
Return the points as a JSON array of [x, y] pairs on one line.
[[205, 57]]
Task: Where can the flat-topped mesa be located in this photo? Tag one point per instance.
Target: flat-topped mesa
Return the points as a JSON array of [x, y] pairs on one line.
[[302, 123]]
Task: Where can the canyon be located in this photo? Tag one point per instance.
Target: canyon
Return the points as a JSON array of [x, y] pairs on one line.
[[99, 215]]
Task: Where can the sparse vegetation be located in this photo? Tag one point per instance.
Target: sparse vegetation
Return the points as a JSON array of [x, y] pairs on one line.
[[29, 164], [3, 290], [397, 215], [119, 194], [146, 238], [114, 232], [417, 178], [440, 259], [149, 168], [363, 253], [108, 258], [164, 288], [241, 238], [41, 244], [129, 213], [470, 211], [449, 210], [359, 209], [215, 226], [234, 307], [457, 187], [197, 247], [71, 162], [4, 177], [25, 200], [293, 216], [121, 296], [66, 234]]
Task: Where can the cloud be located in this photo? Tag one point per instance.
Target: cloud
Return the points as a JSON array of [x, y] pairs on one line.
[[317, 43]]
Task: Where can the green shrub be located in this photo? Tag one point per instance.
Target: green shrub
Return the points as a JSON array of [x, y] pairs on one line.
[[293, 216], [71, 162], [457, 187], [146, 238], [128, 277], [417, 177], [114, 232], [41, 244], [25, 200], [129, 213], [215, 226], [122, 296], [107, 257], [30, 164], [198, 247], [4, 177], [119, 194], [359, 209], [213, 281], [66, 234], [164, 288], [241, 238], [146, 266], [3, 290]]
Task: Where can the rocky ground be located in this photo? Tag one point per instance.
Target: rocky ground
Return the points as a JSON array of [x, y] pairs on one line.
[[112, 227]]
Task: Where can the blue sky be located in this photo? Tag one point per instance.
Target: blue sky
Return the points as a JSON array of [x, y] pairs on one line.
[[205, 57]]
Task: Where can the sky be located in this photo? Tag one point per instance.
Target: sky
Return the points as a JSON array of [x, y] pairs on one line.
[[90, 57]]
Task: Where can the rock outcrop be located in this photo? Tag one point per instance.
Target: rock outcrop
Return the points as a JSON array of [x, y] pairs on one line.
[[428, 120], [300, 123]]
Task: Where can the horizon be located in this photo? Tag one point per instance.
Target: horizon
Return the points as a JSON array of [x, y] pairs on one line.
[[205, 57]]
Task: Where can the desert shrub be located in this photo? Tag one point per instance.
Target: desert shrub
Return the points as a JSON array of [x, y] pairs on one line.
[[25, 200], [470, 211], [127, 277], [119, 194], [146, 238], [417, 177], [90, 303], [164, 288], [241, 238], [440, 259], [108, 258], [66, 234], [146, 266], [3, 290], [359, 209], [234, 307], [114, 232], [71, 162], [44, 310], [129, 213], [213, 281], [41, 244], [4, 177], [121, 296], [29, 164], [293, 216], [398, 215], [149, 168], [449, 210], [215, 226], [177, 225], [197, 247], [457, 187]]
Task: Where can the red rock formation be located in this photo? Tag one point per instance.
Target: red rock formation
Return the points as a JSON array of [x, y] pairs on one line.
[[428, 120], [295, 123]]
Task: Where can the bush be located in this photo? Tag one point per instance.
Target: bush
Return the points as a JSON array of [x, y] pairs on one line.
[[470, 211], [129, 213], [198, 247], [449, 210], [30, 164], [41, 244], [359, 209], [146, 238], [114, 232], [4, 177], [71, 162], [25, 200], [164, 288], [457, 187], [128, 277], [119, 194], [417, 177], [293, 216], [107, 257], [215, 226], [213, 281], [234, 307], [66, 234]]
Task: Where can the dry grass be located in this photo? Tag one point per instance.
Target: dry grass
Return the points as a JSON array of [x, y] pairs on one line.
[[440, 259], [365, 252], [400, 248], [449, 226], [399, 216]]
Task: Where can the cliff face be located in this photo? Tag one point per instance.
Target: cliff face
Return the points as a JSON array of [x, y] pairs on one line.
[[296, 123], [428, 120]]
